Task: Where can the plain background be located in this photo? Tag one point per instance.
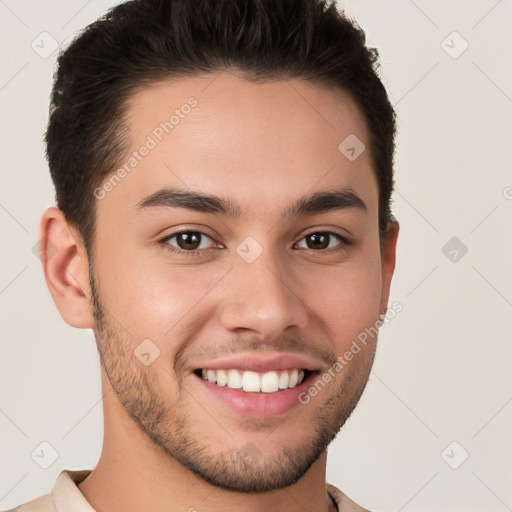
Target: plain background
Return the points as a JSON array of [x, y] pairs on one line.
[[440, 387]]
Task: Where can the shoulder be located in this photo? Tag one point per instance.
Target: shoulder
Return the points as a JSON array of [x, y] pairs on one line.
[[41, 504], [65, 495], [345, 504]]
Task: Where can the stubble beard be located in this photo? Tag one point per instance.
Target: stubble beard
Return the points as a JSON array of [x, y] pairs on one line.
[[244, 469]]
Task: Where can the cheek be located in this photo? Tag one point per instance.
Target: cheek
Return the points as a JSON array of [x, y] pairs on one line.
[[150, 298], [347, 298]]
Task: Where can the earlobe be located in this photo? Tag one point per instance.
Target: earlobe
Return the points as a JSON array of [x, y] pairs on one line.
[[388, 260], [65, 268]]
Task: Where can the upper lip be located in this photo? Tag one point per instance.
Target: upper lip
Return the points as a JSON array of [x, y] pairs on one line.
[[262, 363]]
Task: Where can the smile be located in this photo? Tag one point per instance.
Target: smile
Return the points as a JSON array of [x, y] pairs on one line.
[[255, 382]]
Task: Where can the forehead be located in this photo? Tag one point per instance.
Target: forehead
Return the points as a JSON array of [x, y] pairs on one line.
[[222, 134]]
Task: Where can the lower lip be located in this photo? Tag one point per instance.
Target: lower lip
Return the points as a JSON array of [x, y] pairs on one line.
[[257, 404]]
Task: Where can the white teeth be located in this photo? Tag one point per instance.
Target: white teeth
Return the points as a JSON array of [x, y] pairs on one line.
[[269, 382], [249, 381], [222, 377], [234, 379], [283, 380]]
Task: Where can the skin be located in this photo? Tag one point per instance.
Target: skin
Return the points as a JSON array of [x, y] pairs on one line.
[[168, 445]]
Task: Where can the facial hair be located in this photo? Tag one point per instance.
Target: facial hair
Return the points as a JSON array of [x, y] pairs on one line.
[[168, 424]]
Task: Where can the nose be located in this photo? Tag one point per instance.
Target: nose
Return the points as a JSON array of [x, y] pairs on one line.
[[263, 297]]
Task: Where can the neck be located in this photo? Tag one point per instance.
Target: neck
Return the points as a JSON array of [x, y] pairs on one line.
[[134, 474]]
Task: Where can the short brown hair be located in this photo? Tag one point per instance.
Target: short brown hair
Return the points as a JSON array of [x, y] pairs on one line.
[[139, 42]]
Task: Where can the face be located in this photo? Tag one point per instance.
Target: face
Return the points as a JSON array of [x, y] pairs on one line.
[[261, 284]]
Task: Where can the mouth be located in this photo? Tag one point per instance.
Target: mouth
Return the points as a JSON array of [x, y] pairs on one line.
[[248, 381], [255, 394], [257, 385]]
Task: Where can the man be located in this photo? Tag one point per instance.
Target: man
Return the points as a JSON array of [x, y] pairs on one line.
[[223, 175]]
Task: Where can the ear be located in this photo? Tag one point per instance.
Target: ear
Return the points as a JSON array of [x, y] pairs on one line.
[[388, 260], [66, 268]]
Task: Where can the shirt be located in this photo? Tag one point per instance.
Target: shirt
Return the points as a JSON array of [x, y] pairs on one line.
[[66, 496]]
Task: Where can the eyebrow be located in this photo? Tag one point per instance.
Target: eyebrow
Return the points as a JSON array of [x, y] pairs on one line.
[[317, 202]]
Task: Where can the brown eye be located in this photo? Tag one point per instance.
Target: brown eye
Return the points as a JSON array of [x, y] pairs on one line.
[[188, 241], [321, 240], [318, 240]]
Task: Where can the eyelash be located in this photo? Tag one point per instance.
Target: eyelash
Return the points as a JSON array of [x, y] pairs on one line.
[[343, 245]]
